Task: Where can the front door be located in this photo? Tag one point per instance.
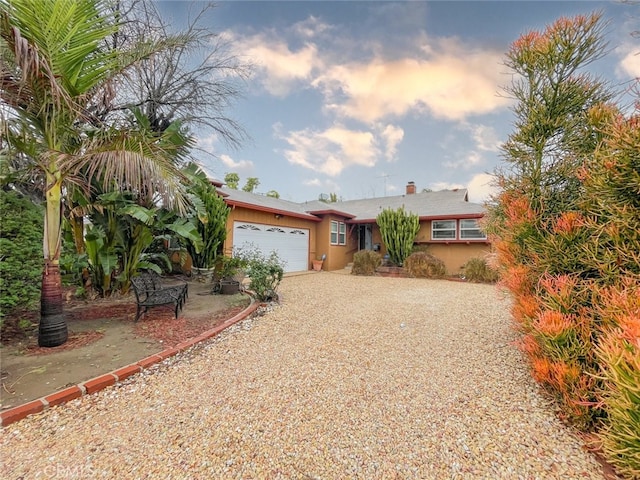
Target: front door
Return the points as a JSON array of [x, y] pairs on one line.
[[365, 237]]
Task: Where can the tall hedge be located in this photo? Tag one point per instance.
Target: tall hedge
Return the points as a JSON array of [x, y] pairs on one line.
[[21, 257]]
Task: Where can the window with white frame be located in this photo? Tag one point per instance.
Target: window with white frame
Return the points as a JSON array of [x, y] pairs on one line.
[[443, 230], [470, 230], [338, 233]]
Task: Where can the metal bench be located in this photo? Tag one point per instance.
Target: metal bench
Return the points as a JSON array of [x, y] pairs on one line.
[[150, 293]]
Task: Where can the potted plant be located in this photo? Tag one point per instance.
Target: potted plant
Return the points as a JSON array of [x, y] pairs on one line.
[[317, 264], [229, 270]]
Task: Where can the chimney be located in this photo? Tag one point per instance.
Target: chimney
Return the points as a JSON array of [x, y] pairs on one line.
[[411, 188]]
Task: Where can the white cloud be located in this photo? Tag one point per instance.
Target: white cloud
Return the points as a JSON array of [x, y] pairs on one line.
[[279, 68], [327, 185], [630, 61], [232, 165], [442, 77], [452, 84], [207, 143], [313, 182], [486, 137], [481, 187], [437, 186], [332, 150], [472, 159], [310, 27], [392, 136]]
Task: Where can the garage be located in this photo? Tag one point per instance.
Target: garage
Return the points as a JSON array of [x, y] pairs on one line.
[[291, 244]]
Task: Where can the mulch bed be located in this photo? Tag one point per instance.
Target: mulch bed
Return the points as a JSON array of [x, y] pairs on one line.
[[158, 323], [162, 326]]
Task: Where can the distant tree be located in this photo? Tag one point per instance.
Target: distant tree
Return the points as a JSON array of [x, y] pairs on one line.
[[232, 180], [251, 184], [273, 194], [331, 198]]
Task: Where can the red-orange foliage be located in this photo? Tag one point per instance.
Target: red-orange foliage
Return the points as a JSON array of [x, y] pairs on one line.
[[568, 223], [553, 323], [517, 210], [541, 369], [505, 251], [518, 279], [530, 346], [525, 308]]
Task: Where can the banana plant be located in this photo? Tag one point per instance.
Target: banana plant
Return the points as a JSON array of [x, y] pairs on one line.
[[129, 231]]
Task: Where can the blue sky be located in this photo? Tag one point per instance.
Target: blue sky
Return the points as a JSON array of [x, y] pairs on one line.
[[359, 98]]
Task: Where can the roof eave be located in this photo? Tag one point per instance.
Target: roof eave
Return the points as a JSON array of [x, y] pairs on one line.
[[331, 212], [276, 211], [453, 216]]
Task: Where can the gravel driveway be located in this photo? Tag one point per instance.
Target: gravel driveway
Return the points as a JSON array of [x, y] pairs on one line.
[[351, 377]]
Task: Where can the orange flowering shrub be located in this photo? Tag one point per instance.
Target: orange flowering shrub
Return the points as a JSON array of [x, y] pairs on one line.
[[619, 355], [566, 234]]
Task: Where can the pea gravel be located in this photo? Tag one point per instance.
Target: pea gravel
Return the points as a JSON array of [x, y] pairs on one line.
[[350, 377]]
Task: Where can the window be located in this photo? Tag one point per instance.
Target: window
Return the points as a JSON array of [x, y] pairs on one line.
[[338, 233], [470, 230], [443, 230]]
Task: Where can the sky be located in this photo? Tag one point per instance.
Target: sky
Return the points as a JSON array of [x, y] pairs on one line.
[[359, 98]]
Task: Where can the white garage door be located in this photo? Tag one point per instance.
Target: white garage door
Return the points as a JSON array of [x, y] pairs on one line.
[[291, 244]]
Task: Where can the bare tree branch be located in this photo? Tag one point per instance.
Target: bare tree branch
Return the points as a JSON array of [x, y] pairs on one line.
[[195, 82]]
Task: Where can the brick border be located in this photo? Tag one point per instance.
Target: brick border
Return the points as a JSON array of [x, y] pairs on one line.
[[101, 382]]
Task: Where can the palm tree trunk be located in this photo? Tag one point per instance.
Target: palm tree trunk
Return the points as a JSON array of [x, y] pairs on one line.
[[53, 326]]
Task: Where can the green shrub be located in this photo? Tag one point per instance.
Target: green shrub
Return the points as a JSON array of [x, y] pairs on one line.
[[21, 258], [477, 270], [424, 265], [265, 274], [365, 262]]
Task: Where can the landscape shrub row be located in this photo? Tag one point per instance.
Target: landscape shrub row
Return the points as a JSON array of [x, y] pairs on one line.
[[566, 230]]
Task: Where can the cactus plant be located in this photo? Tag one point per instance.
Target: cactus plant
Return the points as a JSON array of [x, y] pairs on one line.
[[398, 229]]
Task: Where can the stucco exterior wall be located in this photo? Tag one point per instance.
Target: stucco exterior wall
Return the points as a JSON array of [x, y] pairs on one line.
[[338, 256], [455, 255]]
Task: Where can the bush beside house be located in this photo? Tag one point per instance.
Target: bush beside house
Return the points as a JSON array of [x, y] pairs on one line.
[[21, 258], [365, 262]]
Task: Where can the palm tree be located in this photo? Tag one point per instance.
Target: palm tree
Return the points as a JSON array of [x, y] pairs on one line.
[[56, 68]]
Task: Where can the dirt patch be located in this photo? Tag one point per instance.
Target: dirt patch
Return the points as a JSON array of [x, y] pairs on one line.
[[102, 337]]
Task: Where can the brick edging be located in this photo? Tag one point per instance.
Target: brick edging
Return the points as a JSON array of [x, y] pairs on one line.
[[96, 384]]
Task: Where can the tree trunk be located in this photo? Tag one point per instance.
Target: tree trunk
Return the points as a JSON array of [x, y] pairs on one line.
[[53, 327]]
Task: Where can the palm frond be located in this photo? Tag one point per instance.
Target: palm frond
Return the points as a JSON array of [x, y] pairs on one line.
[[132, 161]]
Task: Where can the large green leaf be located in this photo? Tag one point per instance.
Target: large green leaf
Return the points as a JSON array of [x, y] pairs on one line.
[[188, 230]]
